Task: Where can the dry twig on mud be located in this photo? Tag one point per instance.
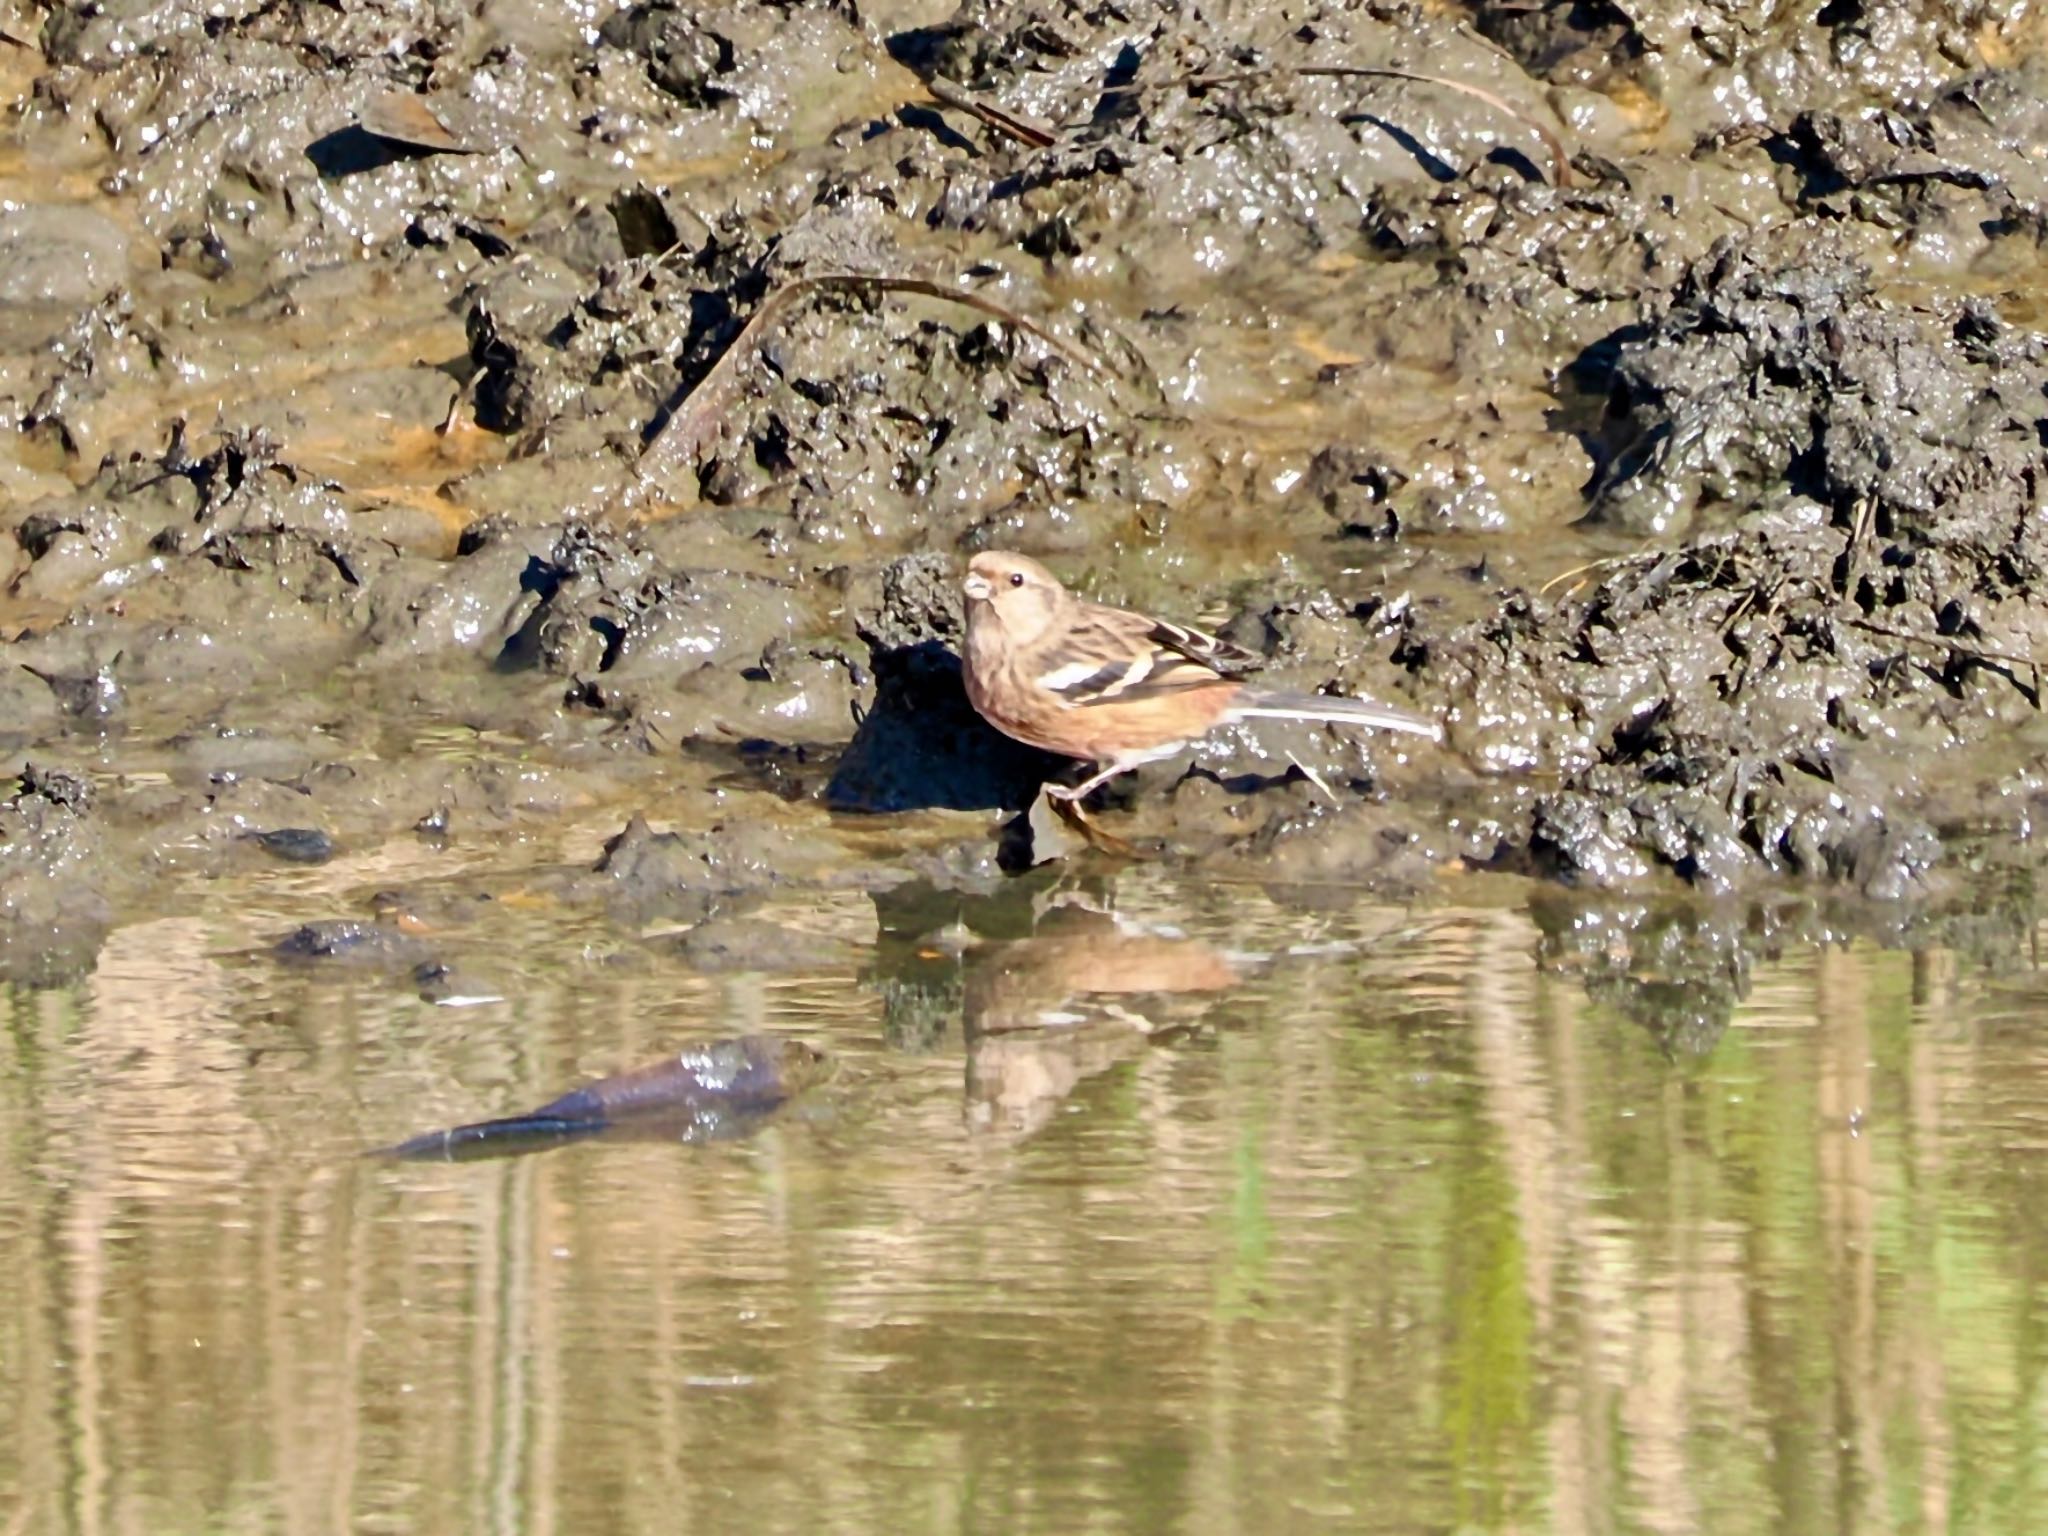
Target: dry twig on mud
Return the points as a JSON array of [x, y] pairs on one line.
[[1196, 84], [698, 414], [1026, 131], [1984, 656], [1604, 563]]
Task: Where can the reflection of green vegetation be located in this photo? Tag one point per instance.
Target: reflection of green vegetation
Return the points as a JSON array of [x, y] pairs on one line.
[[1367, 1257], [2027, 1490], [1249, 1229], [1488, 1365], [918, 1009]]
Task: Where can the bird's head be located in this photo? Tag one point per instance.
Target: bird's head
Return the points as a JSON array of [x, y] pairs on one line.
[[1016, 591]]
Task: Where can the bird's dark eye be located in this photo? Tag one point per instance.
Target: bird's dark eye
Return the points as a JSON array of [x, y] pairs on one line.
[[1016, 578]]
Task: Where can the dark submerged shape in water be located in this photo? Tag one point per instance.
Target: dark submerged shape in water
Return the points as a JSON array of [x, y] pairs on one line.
[[715, 1091]]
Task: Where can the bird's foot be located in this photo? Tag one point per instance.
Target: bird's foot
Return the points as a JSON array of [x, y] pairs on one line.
[[1068, 808]]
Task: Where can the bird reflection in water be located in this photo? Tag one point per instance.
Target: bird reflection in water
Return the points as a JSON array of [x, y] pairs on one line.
[[1079, 996], [1049, 984]]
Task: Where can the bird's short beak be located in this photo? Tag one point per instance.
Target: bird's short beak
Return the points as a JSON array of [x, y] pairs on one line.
[[977, 589]]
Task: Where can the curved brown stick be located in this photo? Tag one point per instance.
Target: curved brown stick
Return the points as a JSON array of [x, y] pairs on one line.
[[697, 415]]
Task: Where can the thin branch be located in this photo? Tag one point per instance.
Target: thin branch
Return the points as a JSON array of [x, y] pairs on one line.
[[1949, 644], [698, 414], [1025, 130], [1604, 563], [1560, 161]]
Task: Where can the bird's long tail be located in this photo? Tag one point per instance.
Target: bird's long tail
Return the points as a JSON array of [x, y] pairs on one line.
[[1335, 708]]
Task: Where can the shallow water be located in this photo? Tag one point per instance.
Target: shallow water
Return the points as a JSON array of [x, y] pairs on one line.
[[1397, 1231]]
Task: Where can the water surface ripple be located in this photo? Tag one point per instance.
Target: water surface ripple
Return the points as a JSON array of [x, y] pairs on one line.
[[1128, 1208]]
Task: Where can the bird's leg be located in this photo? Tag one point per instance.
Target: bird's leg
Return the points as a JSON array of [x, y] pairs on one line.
[[1080, 791], [1073, 815]]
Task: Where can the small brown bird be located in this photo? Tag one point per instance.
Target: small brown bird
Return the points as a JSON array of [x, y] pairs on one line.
[[1114, 687]]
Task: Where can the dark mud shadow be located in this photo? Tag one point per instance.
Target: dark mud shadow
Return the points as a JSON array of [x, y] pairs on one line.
[[645, 225], [926, 120], [352, 150], [1432, 167], [922, 50], [922, 746], [1591, 410], [1516, 161]]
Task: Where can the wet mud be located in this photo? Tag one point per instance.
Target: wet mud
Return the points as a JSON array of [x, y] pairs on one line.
[[543, 438]]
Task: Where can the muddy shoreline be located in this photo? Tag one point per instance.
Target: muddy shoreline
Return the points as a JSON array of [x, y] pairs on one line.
[[433, 428]]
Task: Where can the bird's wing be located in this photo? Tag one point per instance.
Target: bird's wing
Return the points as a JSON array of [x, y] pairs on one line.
[[1199, 645], [1108, 655]]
